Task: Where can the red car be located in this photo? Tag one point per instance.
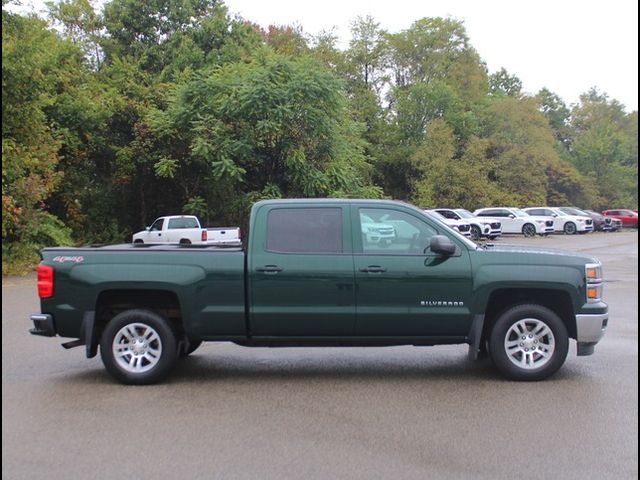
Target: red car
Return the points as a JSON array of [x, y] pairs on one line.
[[629, 218]]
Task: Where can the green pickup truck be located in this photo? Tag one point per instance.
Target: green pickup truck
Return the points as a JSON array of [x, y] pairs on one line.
[[323, 272]]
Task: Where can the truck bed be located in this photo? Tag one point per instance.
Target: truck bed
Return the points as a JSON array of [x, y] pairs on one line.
[[205, 283], [146, 246]]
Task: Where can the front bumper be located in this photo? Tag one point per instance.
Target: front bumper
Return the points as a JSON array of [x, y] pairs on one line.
[[42, 325], [590, 329]]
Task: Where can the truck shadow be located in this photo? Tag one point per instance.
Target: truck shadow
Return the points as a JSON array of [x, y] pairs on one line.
[[329, 366], [313, 365], [203, 370]]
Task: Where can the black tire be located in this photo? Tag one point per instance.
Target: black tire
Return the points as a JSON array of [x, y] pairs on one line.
[[570, 228], [189, 347], [529, 230], [185, 241], [138, 241], [156, 355], [513, 363], [476, 233]]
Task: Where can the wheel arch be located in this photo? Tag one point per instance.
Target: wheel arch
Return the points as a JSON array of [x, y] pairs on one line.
[[165, 303], [558, 301]]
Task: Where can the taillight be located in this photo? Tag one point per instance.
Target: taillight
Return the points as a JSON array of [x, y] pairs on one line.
[[204, 236], [45, 281]]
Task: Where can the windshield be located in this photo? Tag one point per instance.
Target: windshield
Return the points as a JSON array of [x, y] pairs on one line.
[[464, 213], [519, 213], [436, 214], [573, 211]]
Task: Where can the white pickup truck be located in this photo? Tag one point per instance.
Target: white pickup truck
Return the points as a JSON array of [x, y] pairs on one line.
[[186, 230]]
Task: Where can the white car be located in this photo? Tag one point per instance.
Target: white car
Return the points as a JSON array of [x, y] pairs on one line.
[[515, 220], [563, 221], [460, 225], [376, 232], [480, 227], [182, 229]]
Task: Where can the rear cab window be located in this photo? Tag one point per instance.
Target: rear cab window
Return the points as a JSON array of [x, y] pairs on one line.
[[305, 230], [183, 222]]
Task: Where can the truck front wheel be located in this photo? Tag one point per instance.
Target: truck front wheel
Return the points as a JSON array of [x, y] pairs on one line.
[[138, 347], [528, 342]]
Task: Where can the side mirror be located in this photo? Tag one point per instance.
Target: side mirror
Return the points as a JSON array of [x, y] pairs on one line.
[[442, 244], [554, 215], [511, 215], [147, 228]]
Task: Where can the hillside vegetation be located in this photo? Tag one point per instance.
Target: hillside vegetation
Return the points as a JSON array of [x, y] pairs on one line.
[[112, 118]]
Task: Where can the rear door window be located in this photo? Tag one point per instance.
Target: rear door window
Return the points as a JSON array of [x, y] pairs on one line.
[[304, 230]]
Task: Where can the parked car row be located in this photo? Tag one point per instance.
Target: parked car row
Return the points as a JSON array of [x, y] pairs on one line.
[[563, 221], [601, 223], [492, 222]]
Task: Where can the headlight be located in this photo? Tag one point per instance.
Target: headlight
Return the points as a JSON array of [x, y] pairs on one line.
[[540, 222], [593, 272], [372, 230]]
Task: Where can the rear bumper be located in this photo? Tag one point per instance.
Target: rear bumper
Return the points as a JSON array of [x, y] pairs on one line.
[[590, 329], [42, 325]]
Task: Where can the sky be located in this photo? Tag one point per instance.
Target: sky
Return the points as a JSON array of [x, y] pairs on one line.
[[567, 46]]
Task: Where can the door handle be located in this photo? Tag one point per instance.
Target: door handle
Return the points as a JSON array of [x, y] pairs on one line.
[[373, 269], [269, 269]]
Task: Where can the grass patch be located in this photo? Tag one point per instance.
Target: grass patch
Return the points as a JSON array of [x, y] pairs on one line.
[[19, 258]]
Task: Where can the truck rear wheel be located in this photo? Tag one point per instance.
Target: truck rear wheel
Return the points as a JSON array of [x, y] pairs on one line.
[[138, 347], [528, 342]]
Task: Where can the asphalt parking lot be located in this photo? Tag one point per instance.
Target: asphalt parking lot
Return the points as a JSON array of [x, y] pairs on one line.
[[230, 412]]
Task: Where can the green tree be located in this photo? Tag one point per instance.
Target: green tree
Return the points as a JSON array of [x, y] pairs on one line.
[[502, 83], [274, 124], [81, 24], [437, 49], [604, 147], [557, 114], [36, 65]]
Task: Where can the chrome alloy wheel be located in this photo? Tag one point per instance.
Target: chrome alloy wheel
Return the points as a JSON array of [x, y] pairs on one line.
[[137, 348], [529, 343]]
